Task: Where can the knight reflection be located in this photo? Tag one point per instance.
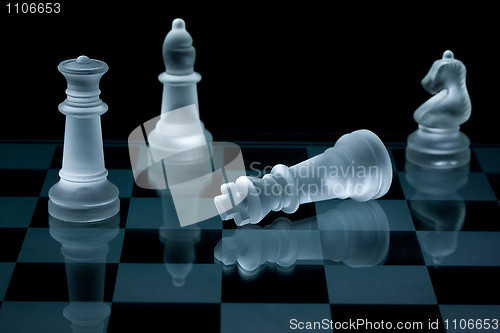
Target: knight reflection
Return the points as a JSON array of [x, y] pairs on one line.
[[437, 207]]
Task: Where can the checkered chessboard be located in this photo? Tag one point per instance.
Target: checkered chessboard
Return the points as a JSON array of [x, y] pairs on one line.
[[427, 274]]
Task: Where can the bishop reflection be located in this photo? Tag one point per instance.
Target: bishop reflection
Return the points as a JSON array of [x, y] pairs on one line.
[[179, 243], [85, 247], [350, 232]]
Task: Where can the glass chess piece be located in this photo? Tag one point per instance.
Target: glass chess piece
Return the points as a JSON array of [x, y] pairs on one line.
[[357, 167], [83, 193], [438, 141]]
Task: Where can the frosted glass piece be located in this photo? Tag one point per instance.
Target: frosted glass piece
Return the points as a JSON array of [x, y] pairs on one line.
[[179, 80], [438, 141], [357, 167], [83, 194]]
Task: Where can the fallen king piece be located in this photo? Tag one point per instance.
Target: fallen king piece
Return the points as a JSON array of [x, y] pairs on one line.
[[357, 167]]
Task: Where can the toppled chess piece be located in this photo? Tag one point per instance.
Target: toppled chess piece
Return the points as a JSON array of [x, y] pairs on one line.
[[83, 194], [438, 141], [357, 167]]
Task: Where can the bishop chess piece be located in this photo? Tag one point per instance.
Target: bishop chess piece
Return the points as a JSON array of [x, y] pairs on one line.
[[83, 193], [178, 131], [438, 142], [357, 167]]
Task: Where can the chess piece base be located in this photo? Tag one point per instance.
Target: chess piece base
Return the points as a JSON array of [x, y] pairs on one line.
[[438, 148], [83, 202]]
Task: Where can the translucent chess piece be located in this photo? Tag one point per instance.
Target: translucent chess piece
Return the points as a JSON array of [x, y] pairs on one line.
[[180, 130], [358, 166], [438, 141], [83, 194], [179, 138]]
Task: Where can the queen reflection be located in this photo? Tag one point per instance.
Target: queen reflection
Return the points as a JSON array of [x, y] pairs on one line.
[[85, 247]]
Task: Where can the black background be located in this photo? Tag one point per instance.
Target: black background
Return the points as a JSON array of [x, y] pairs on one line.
[[270, 71]]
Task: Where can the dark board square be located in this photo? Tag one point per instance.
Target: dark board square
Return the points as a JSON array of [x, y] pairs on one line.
[[116, 157], [11, 241], [124, 206], [404, 249], [494, 179], [395, 191], [164, 317], [157, 246], [139, 192], [474, 165], [398, 155], [482, 216], [466, 285], [57, 158], [38, 282], [26, 183], [142, 245], [304, 284], [40, 217]]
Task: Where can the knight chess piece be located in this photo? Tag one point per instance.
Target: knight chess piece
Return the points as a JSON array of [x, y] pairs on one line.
[[438, 141]]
